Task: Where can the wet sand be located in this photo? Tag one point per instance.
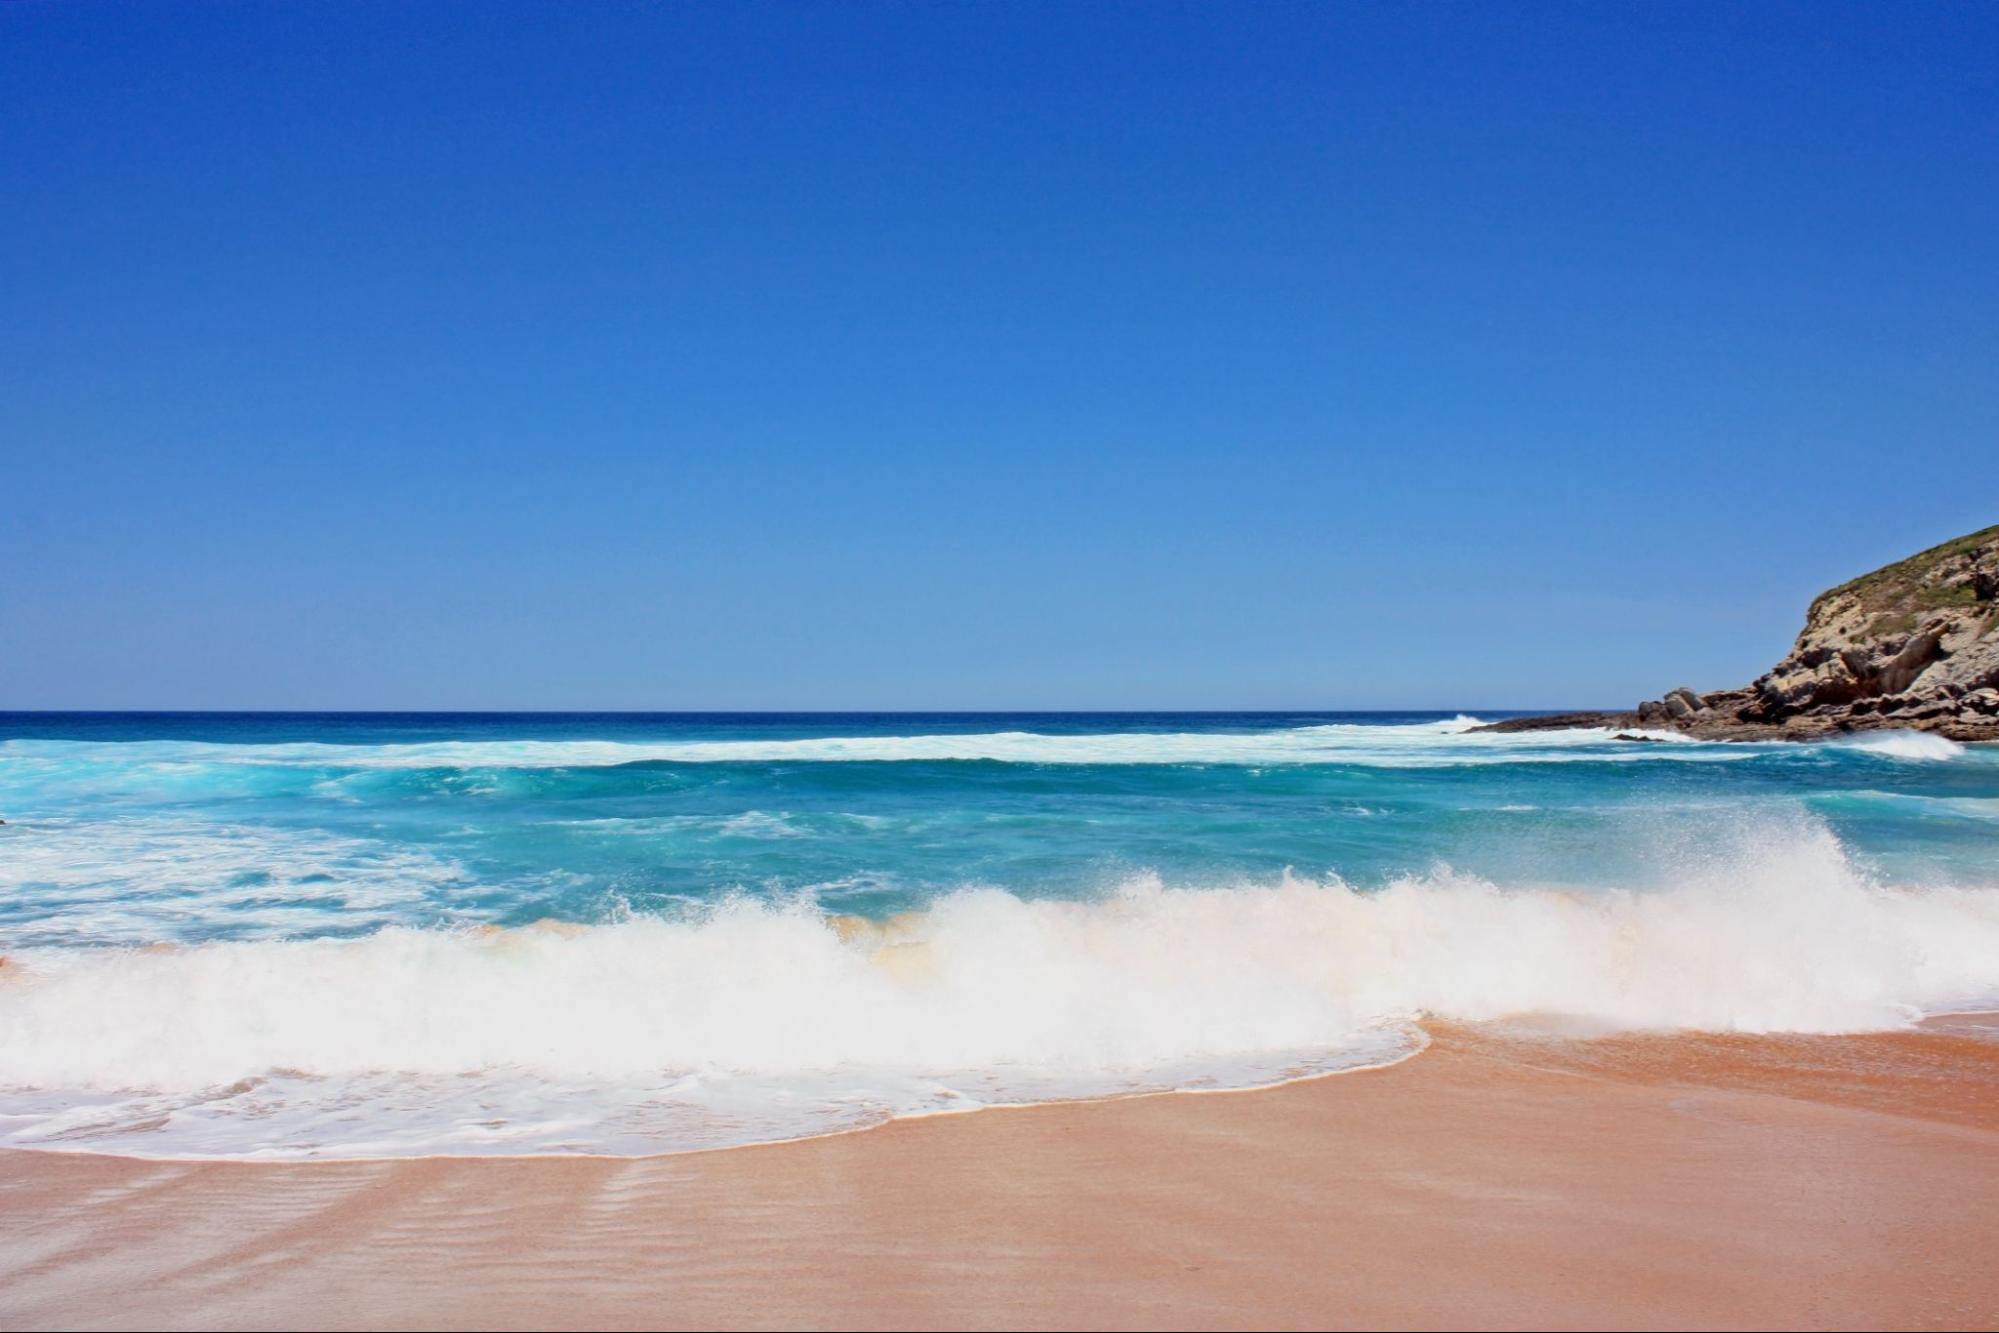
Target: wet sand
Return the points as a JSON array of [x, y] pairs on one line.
[[1494, 1181]]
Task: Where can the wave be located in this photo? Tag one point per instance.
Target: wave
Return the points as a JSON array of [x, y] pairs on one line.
[[750, 1021], [1920, 804], [141, 878], [758, 824], [1425, 744], [1918, 745]]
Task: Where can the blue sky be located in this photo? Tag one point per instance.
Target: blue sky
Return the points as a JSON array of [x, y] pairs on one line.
[[976, 355]]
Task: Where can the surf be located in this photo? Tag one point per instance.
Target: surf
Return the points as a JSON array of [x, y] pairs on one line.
[[746, 1020]]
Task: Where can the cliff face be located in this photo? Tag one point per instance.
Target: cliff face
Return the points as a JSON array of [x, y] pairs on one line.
[[1913, 645]]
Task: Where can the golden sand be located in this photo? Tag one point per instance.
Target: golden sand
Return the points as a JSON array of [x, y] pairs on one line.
[[1496, 1181]]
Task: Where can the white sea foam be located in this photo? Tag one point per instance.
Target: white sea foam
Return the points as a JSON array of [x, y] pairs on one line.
[[752, 1021], [135, 879], [1411, 745], [1918, 745]]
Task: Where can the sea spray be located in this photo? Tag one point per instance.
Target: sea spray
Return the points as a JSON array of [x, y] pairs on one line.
[[749, 1019]]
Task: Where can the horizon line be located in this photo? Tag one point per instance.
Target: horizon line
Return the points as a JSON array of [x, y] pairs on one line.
[[747, 712]]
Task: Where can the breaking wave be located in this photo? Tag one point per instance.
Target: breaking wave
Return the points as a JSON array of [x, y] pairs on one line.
[[1919, 745], [750, 1021], [1420, 744]]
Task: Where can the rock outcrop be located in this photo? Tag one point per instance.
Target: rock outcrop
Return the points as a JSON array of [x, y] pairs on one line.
[[1912, 646]]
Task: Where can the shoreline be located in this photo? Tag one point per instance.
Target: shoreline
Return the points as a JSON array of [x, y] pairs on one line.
[[1506, 1177], [1981, 1022], [1422, 1031]]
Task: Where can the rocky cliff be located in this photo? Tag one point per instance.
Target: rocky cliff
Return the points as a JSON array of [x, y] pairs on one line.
[[1914, 645]]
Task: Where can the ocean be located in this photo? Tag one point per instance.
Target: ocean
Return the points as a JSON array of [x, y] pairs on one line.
[[364, 935]]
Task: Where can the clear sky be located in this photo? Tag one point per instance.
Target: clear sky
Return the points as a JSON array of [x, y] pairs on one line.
[[976, 355]]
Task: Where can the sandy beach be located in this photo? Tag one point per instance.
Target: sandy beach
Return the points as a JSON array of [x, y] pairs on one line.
[[999, 666], [1501, 1180]]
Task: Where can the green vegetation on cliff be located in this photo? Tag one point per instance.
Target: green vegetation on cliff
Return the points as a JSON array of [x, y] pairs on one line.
[[1895, 596]]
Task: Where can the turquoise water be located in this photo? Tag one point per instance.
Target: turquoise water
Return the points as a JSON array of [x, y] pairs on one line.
[[300, 908]]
